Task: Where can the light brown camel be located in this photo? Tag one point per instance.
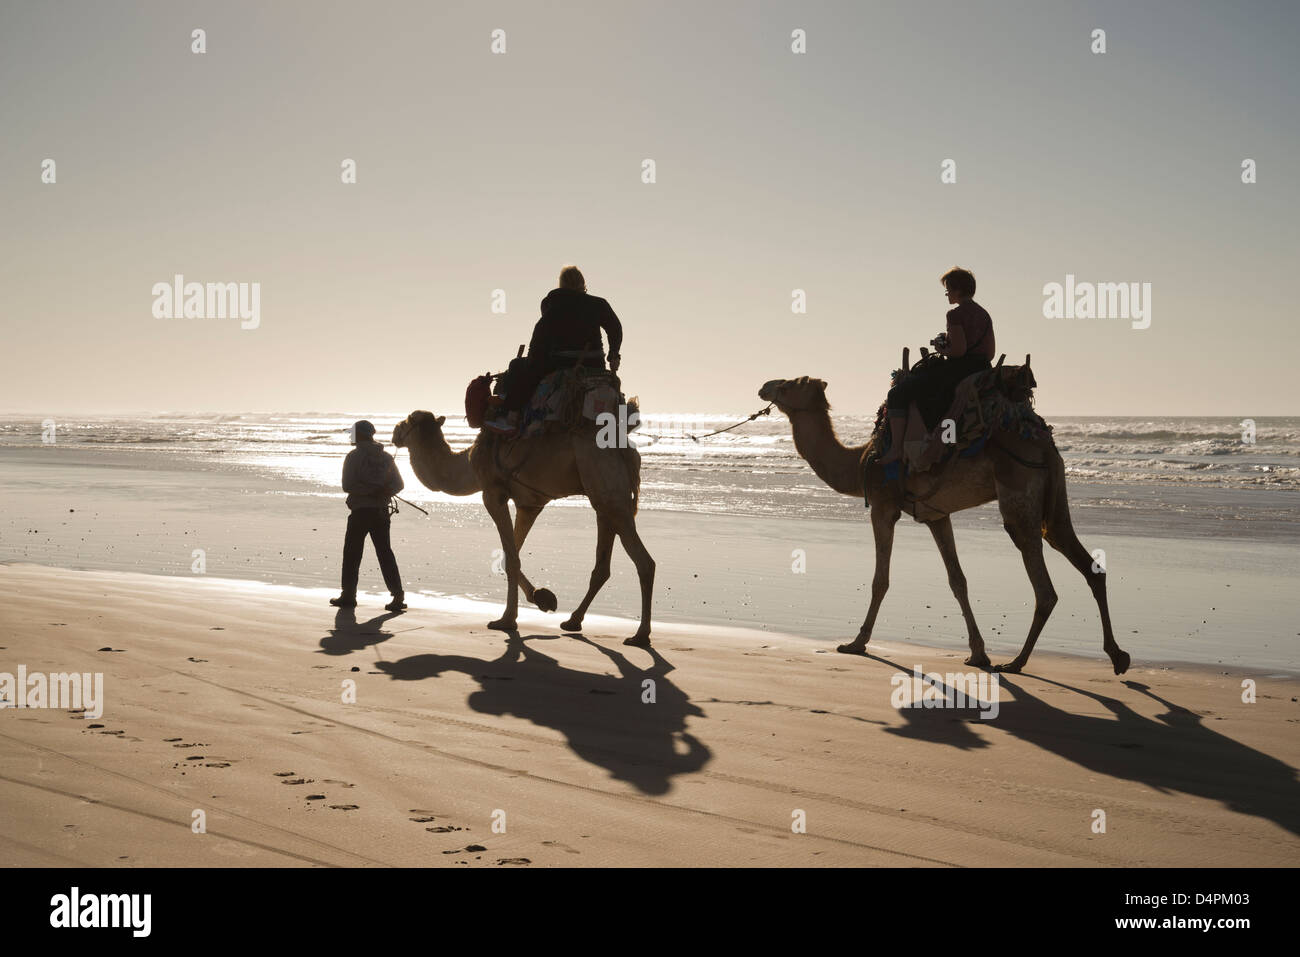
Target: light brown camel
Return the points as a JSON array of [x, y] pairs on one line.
[[1032, 500], [533, 472]]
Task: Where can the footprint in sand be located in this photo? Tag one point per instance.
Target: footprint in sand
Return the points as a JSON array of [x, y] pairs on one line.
[[94, 726], [469, 847], [190, 744], [217, 764], [424, 820], [344, 807], [514, 860], [106, 648], [198, 661], [298, 781], [315, 797], [285, 774], [169, 740], [340, 783], [563, 847], [444, 829]]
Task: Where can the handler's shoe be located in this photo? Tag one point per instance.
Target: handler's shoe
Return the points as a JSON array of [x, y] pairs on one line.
[[397, 604], [344, 601]]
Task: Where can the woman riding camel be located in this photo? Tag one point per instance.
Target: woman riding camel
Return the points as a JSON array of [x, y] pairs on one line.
[[568, 334], [967, 346]]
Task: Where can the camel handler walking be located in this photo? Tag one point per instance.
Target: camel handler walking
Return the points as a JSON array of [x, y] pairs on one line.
[[371, 479]]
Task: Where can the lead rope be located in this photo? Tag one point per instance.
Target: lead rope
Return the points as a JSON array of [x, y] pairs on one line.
[[760, 412]]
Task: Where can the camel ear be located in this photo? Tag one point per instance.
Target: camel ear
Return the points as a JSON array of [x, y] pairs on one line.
[[439, 420]]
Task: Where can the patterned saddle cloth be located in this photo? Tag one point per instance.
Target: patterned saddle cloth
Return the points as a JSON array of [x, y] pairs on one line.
[[997, 399]]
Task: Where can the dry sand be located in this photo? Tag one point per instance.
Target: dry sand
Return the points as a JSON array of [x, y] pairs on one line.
[[226, 697]]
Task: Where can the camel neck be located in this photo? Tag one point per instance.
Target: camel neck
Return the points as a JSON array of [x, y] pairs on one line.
[[437, 466], [836, 464]]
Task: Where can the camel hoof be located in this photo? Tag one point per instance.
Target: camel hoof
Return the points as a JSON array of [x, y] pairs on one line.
[[852, 648], [571, 624], [638, 640], [545, 599], [1121, 662], [502, 624], [978, 662], [1010, 668]]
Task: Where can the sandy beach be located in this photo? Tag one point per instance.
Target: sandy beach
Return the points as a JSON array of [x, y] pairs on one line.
[[226, 697]]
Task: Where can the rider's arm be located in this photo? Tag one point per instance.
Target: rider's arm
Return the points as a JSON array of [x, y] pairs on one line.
[[614, 333], [956, 340]]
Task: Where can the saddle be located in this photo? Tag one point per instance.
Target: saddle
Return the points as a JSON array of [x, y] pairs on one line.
[[570, 400], [996, 399]]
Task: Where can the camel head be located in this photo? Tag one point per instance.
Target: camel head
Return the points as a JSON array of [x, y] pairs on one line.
[[796, 395], [418, 427]]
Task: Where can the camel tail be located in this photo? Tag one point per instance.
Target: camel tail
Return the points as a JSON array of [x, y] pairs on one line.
[[1056, 503], [633, 463]]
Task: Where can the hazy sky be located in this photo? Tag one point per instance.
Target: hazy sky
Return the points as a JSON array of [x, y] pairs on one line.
[[775, 171]]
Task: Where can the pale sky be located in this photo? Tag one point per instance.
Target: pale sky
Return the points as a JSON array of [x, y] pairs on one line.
[[775, 172]]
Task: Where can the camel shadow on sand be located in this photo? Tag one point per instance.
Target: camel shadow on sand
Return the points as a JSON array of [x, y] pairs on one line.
[[603, 717], [1174, 751]]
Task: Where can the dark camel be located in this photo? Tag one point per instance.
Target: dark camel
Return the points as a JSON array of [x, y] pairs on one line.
[[1033, 503]]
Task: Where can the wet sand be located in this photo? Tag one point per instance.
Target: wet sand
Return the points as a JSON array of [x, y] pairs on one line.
[[226, 697]]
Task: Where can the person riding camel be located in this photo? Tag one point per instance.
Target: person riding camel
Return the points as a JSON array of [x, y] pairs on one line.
[[568, 334], [969, 348]]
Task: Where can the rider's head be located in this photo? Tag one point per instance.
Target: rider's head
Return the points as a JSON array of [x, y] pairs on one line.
[[571, 278], [960, 284]]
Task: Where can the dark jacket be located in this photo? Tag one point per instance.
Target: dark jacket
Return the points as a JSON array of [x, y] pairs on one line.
[[571, 322], [370, 476]]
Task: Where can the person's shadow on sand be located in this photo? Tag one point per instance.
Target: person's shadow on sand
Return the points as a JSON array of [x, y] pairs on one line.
[[607, 720], [1174, 751], [348, 635]]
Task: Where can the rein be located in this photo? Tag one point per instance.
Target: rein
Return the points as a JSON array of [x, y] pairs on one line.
[[767, 411]]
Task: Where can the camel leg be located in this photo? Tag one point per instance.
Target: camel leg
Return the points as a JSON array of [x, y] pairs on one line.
[[1029, 540], [599, 574], [1060, 535], [498, 506], [943, 537], [883, 520], [624, 524], [525, 515]]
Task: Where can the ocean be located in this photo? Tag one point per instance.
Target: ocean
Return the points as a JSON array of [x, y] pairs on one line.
[[1198, 529], [1179, 476]]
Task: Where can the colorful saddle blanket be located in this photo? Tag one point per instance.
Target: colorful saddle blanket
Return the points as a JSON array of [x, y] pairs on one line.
[[999, 399], [566, 398]]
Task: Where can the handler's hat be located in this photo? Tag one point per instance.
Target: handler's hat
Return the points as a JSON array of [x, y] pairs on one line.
[[361, 431]]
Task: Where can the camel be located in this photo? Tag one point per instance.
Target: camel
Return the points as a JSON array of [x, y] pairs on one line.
[[533, 472], [1031, 497]]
